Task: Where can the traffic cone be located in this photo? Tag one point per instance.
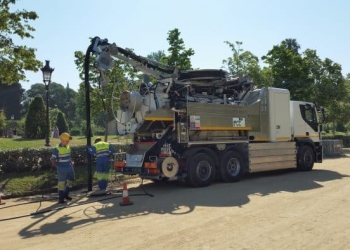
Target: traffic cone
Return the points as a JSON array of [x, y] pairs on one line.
[[1, 202], [125, 199]]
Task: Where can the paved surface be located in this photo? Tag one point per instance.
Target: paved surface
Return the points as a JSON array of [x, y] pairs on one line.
[[276, 210]]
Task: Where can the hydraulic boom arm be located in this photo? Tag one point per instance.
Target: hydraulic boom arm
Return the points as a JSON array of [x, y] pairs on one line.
[[106, 52]]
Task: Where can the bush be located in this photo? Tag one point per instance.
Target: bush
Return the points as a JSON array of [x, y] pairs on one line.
[[75, 131], [26, 160], [19, 125], [97, 130]]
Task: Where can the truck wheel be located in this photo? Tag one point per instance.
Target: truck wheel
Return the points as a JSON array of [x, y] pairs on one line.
[[305, 158], [200, 170], [231, 167]]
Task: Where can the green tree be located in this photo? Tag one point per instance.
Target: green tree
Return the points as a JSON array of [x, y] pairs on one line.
[[157, 56], [10, 99], [61, 123], [333, 92], [53, 116], [59, 97], [266, 78], [2, 122], [289, 71], [35, 124], [15, 59], [101, 98], [243, 63], [179, 56]]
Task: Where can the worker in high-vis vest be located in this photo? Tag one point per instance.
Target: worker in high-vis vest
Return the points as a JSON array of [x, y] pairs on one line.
[[61, 159], [102, 151]]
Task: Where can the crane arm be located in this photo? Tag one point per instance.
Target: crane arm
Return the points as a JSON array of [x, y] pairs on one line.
[[106, 52]]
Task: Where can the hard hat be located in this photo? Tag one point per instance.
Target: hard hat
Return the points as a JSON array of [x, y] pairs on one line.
[[65, 136]]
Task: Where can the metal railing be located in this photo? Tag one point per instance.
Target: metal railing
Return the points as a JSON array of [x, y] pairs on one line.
[[332, 147]]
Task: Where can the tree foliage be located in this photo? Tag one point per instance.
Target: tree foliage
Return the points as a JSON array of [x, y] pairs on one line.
[[179, 56], [10, 99], [35, 124], [2, 119], [121, 77], [310, 78], [62, 123], [157, 56], [243, 63], [333, 93], [15, 59], [59, 97], [288, 69]]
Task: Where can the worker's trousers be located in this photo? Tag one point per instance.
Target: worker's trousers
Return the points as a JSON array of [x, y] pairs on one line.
[[65, 176], [102, 173]]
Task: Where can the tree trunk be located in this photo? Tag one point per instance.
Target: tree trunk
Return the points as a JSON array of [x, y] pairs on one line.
[[333, 128]]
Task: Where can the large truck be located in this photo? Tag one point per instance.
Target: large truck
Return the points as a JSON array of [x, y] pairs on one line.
[[202, 125]]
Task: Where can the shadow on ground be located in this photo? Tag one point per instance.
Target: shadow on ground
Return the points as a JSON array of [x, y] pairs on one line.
[[176, 199]]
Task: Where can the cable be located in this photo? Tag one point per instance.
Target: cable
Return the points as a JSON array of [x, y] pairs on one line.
[[26, 203], [68, 206], [55, 209], [42, 195], [144, 190]]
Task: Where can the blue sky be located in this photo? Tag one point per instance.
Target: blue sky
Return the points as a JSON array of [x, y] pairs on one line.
[[65, 26]]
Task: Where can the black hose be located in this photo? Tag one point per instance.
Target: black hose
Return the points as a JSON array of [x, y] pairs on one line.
[[55, 209], [144, 190], [87, 109], [74, 205], [26, 203]]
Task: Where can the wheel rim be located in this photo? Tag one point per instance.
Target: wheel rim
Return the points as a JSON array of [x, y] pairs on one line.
[[203, 170], [308, 158], [233, 167]]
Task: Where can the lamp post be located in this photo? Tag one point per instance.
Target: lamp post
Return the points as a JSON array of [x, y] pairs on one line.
[[47, 71], [12, 126]]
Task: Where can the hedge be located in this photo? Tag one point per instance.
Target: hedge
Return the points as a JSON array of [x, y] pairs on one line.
[[25, 160]]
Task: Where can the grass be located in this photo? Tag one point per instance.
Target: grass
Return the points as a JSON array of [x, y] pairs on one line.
[[37, 182], [21, 184]]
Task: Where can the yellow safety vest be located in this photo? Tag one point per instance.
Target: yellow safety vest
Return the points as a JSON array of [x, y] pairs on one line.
[[63, 153], [102, 149]]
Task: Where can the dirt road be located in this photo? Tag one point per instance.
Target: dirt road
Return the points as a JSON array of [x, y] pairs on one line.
[[276, 210]]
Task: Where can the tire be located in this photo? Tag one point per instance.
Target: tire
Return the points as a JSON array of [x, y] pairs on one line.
[[231, 167], [200, 170], [306, 158]]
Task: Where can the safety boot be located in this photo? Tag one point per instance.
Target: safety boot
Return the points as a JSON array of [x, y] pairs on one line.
[[61, 197], [66, 194]]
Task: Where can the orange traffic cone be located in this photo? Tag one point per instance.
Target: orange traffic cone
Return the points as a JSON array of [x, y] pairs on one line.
[[125, 199], [1, 202]]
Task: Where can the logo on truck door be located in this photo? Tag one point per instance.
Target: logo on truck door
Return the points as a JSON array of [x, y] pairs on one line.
[[238, 122]]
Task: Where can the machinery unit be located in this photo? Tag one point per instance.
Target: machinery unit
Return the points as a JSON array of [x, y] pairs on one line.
[[201, 124]]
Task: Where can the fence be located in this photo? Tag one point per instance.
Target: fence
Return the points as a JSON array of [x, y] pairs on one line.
[[332, 147]]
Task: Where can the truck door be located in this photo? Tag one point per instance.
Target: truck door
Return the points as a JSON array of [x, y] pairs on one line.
[[309, 115]]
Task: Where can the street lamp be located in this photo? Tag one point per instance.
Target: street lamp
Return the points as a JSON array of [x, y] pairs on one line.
[[47, 71], [12, 126]]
